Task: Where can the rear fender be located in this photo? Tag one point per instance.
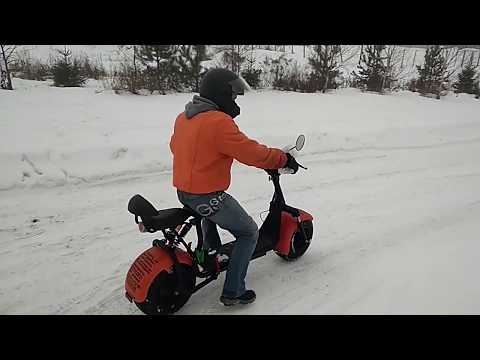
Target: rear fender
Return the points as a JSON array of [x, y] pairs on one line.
[[147, 266], [288, 227]]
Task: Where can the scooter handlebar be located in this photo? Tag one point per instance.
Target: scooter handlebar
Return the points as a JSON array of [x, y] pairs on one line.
[[285, 170]]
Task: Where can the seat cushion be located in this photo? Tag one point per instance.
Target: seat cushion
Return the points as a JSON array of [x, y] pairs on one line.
[[169, 218], [154, 219]]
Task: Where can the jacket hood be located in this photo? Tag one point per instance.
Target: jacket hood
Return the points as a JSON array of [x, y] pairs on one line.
[[198, 105]]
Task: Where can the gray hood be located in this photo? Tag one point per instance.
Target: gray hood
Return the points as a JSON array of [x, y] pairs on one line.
[[199, 105]]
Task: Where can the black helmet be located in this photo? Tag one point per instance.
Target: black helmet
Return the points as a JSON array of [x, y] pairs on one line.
[[222, 87]]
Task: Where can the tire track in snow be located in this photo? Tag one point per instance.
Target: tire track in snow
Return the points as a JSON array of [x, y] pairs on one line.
[[35, 169], [388, 148]]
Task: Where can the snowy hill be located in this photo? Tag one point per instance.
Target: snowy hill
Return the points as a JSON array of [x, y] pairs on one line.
[[392, 183]]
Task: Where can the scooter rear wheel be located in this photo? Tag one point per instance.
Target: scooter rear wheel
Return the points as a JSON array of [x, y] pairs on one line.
[[299, 244], [161, 299]]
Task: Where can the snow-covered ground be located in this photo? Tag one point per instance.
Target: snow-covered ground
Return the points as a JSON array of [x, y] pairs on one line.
[[392, 183]]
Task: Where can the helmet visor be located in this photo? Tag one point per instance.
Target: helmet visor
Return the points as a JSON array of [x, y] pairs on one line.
[[239, 86]]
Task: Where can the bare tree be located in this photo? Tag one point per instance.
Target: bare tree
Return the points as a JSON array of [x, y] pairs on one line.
[[7, 57], [129, 54], [343, 55], [463, 57], [394, 70], [347, 53], [234, 56], [124, 73], [389, 51], [449, 59]]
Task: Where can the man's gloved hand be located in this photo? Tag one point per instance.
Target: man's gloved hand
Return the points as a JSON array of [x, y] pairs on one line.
[[291, 163]]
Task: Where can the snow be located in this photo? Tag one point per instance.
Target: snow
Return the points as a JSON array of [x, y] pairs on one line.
[[392, 183]]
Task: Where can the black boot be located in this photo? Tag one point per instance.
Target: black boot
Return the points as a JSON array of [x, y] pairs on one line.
[[248, 297]]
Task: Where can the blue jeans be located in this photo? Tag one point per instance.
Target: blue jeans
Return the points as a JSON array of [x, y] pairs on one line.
[[220, 208]]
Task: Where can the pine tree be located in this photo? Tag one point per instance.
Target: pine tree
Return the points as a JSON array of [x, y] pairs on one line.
[[431, 74], [252, 74], [324, 61], [67, 72], [252, 77], [188, 61], [161, 71], [467, 82], [372, 73]]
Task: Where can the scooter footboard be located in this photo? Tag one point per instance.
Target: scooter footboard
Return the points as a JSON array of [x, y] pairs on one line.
[[288, 227]]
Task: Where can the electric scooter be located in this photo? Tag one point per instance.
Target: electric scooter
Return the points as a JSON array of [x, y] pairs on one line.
[[162, 278]]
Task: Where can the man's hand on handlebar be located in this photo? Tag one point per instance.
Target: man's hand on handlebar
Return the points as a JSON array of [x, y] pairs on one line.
[[290, 167], [291, 163]]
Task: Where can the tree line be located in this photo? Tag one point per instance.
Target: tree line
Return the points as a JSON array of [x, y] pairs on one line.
[[178, 68]]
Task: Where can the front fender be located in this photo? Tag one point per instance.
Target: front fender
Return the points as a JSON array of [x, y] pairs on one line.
[[288, 227]]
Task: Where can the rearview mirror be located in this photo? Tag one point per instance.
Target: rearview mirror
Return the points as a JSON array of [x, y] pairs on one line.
[[300, 142]]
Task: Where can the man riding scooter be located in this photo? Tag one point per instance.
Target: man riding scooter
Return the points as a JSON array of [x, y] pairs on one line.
[[204, 144]]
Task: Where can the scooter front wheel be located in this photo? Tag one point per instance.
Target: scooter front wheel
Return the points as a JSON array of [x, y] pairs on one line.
[[299, 244]]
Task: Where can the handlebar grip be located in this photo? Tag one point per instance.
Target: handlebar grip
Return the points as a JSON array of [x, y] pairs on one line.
[[285, 170]]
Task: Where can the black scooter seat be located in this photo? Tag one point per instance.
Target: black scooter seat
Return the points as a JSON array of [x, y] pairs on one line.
[[154, 219], [170, 218]]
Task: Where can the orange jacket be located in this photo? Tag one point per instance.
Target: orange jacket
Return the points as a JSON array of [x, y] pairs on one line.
[[203, 150]]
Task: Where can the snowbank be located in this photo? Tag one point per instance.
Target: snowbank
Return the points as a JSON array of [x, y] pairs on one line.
[[52, 136]]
